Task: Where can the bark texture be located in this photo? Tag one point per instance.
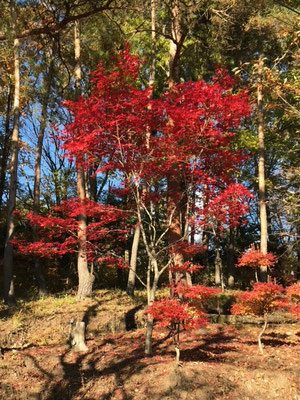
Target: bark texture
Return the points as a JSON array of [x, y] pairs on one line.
[[6, 142], [174, 206], [261, 170], [37, 171], [77, 336], [133, 261], [85, 277], [9, 292]]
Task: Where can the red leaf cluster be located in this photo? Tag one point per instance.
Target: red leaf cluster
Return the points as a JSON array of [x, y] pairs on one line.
[[256, 259], [187, 309], [200, 293], [187, 131], [186, 267], [59, 230], [263, 299], [168, 312], [293, 293], [295, 310], [225, 208], [188, 250]]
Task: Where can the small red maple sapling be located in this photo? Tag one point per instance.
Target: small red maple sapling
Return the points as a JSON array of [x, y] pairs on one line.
[[256, 259], [184, 313], [261, 301]]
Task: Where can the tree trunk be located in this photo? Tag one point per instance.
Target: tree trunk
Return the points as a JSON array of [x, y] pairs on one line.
[[37, 176], [85, 277], [174, 214], [6, 144], [153, 40], [133, 259], [77, 336], [174, 180], [205, 233], [137, 231], [261, 170], [174, 52], [148, 340], [230, 259], [9, 292], [93, 184], [219, 279], [261, 333], [151, 291]]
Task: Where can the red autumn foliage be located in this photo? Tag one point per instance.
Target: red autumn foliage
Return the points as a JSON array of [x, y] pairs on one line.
[[256, 259], [168, 312], [186, 267], [187, 311], [188, 250], [295, 310], [263, 299], [59, 231], [226, 208], [200, 293], [112, 127], [293, 293]]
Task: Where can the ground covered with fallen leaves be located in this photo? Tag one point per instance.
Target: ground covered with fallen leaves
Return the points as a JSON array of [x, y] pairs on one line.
[[219, 362]]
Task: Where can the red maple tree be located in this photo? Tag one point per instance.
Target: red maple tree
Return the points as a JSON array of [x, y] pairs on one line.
[[184, 136], [183, 312], [160, 151], [261, 301], [256, 259]]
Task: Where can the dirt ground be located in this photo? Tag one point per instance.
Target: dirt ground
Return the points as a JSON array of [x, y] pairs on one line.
[[219, 362]]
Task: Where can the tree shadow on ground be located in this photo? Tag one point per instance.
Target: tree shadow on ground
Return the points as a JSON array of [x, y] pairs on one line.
[[86, 369], [105, 370], [81, 369], [215, 348], [272, 342]]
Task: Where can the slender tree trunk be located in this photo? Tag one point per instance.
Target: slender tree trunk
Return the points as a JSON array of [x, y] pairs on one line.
[[93, 184], [174, 52], [205, 235], [153, 40], [133, 260], [219, 280], [37, 176], [174, 211], [265, 324], [85, 277], [137, 231], [230, 259], [151, 291], [261, 170], [174, 214], [9, 292], [6, 144]]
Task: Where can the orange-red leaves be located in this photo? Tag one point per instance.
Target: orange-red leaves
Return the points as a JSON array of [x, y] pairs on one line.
[[171, 311], [264, 298], [256, 259]]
